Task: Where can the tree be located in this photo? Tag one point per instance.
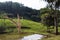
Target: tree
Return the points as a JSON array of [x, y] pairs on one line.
[[54, 5], [47, 18], [12, 9], [16, 10]]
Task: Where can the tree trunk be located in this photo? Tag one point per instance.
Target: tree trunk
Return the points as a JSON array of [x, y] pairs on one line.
[[18, 24], [56, 23]]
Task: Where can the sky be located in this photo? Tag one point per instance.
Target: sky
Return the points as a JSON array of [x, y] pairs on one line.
[[35, 4]]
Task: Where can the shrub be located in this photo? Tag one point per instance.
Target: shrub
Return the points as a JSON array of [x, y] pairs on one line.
[[2, 29]]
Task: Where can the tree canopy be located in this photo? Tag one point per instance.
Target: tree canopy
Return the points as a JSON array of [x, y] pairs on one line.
[[13, 8], [54, 5]]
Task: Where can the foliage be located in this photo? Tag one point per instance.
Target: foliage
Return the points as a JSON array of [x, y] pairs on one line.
[[46, 17], [2, 30], [54, 5], [12, 8]]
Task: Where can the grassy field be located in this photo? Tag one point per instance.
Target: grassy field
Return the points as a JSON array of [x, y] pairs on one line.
[[28, 27]]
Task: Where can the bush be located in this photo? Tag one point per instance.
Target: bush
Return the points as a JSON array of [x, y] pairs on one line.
[[2, 29]]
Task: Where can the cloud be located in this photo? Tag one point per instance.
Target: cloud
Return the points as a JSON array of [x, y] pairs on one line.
[[35, 4]]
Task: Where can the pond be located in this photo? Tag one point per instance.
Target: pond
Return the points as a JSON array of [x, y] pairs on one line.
[[33, 37]]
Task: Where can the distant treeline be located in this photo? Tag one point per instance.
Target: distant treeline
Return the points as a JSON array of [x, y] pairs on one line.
[[24, 12]]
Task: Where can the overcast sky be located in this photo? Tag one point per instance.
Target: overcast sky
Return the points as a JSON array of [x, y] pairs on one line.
[[35, 4]]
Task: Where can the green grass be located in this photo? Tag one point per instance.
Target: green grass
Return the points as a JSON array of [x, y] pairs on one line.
[[25, 23], [35, 27]]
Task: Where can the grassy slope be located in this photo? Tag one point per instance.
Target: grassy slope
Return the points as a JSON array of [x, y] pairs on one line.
[[39, 28], [34, 28]]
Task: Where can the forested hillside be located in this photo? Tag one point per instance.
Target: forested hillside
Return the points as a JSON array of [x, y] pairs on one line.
[[24, 12]]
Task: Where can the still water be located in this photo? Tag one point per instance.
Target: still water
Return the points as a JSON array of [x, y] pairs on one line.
[[33, 37]]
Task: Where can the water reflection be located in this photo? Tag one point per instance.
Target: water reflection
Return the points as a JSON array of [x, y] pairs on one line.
[[33, 37]]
